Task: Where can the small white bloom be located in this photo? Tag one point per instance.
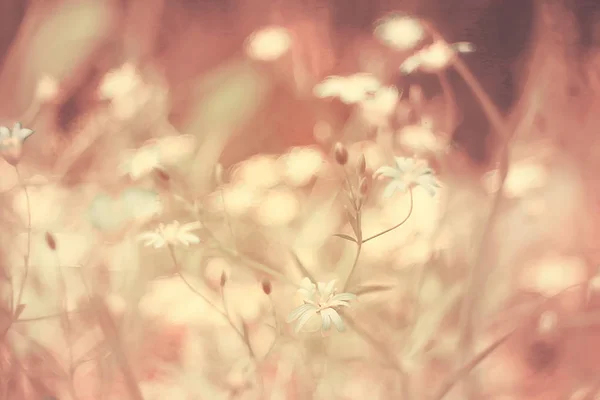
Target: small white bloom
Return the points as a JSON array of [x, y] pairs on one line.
[[435, 57], [320, 300], [120, 82], [173, 234], [350, 89], [400, 32], [407, 173], [11, 142], [268, 44], [523, 177], [141, 162], [419, 138], [377, 108]]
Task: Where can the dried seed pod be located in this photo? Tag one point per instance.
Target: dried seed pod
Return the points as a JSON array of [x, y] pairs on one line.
[[223, 279], [266, 286], [363, 186], [50, 241], [340, 153]]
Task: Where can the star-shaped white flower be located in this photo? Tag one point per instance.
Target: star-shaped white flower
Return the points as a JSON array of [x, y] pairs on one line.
[[435, 57], [320, 300], [400, 32], [349, 89], [268, 44], [408, 173], [173, 234], [11, 142]]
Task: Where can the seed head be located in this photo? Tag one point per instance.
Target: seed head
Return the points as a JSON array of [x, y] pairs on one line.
[[266, 286], [50, 241], [361, 166]]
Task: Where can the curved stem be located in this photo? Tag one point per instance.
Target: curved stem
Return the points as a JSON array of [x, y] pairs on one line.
[[398, 224]]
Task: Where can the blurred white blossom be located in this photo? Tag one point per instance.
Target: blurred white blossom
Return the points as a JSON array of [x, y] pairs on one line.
[[420, 138], [320, 300], [269, 43], [173, 234], [523, 177], [435, 57], [400, 32], [109, 213], [139, 163], [47, 89], [11, 142], [378, 108], [349, 89], [407, 173], [126, 90], [300, 165], [279, 207]]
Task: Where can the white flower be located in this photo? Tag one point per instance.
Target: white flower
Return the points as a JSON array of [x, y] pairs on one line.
[[377, 108], [11, 142], [320, 300], [435, 57], [350, 89], [400, 32], [173, 234], [269, 43], [141, 162], [419, 138], [407, 173], [523, 177]]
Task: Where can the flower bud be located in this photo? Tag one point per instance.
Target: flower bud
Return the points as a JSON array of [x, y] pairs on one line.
[[50, 241], [340, 153], [223, 279], [361, 166], [363, 186], [266, 286]]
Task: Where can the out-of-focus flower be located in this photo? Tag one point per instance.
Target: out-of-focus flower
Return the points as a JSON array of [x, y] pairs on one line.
[[108, 213], [419, 138], [349, 89], [11, 142], [400, 32], [279, 207], [522, 178], [259, 171], [300, 165], [320, 300], [269, 43], [126, 90], [408, 173], [141, 162], [378, 108], [173, 234], [435, 57], [47, 89]]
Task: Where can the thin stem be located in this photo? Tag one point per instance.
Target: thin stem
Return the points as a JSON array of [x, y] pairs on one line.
[[469, 366], [28, 250], [359, 240], [398, 224], [224, 314], [244, 333]]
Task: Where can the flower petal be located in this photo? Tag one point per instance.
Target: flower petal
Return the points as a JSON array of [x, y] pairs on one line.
[[305, 318], [336, 319], [4, 132], [325, 320], [387, 172], [298, 311], [392, 187], [24, 133]]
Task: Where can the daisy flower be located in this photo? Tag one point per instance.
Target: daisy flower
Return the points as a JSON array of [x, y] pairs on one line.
[[406, 174], [320, 300], [349, 89], [173, 234], [11, 142], [400, 32], [269, 43], [435, 57]]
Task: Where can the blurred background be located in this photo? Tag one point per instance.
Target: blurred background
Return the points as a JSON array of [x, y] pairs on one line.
[[182, 180]]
